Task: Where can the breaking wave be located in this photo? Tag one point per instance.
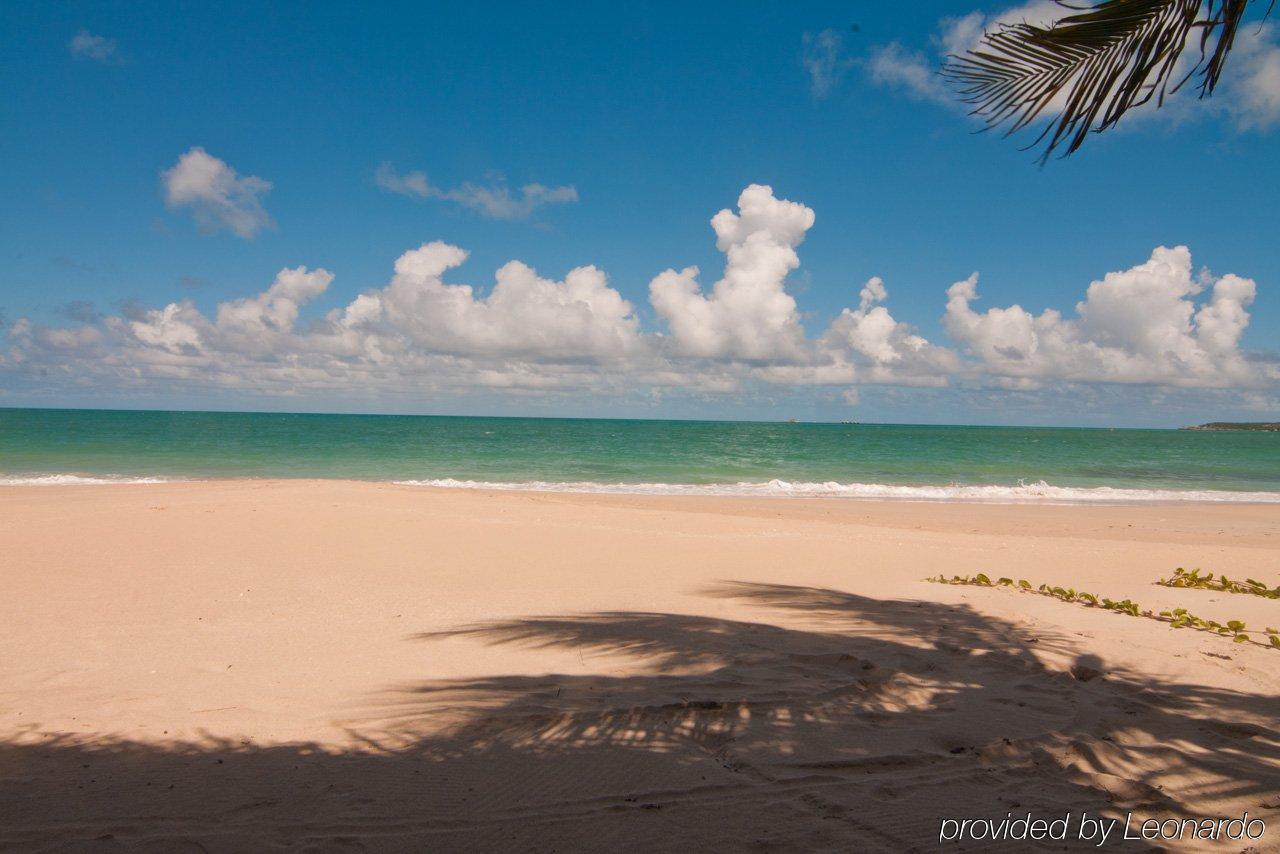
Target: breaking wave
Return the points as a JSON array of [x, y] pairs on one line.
[[1039, 491], [74, 480], [1023, 492]]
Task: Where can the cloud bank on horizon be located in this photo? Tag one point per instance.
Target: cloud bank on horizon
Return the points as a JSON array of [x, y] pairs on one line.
[[1156, 324]]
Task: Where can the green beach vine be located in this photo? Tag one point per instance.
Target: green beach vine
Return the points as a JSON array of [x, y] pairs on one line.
[[1253, 587], [1177, 618]]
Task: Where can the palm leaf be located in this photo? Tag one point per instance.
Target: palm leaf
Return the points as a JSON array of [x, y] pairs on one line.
[[1088, 69], [1225, 21]]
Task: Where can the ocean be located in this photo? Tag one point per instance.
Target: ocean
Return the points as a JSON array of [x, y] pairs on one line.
[[48, 446]]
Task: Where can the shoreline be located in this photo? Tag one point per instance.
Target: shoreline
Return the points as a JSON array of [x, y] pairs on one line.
[[1174, 522], [1039, 493]]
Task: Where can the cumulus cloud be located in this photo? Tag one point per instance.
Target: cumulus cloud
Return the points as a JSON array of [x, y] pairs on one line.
[[86, 45], [424, 333], [494, 199], [524, 314], [886, 350], [1140, 325], [258, 323], [416, 333], [748, 314], [217, 196], [823, 59]]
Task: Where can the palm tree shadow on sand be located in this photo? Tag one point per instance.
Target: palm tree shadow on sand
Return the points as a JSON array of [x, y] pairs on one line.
[[842, 721]]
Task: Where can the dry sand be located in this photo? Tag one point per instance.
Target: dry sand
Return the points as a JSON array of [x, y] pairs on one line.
[[322, 665]]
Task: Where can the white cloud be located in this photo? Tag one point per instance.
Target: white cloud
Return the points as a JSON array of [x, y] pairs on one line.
[[86, 45], [957, 35], [217, 196], [174, 328], [1139, 325], [748, 314], [912, 72], [917, 74], [824, 61], [1155, 324], [261, 326], [1251, 79], [580, 317], [256, 324], [408, 184], [417, 333], [494, 200], [886, 351]]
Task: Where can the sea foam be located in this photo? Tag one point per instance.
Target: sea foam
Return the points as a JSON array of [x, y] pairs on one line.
[[74, 480], [1039, 491], [1023, 492]]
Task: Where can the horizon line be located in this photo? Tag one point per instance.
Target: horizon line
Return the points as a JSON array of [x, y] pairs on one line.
[[848, 423]]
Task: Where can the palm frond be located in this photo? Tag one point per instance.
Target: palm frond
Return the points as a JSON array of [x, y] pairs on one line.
[[1222, 23], [1087, 69]]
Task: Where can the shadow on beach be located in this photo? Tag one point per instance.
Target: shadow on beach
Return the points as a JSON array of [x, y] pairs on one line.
[[859, 725]]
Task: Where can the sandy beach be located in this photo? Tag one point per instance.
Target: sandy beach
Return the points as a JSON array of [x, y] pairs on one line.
[[325, 665]]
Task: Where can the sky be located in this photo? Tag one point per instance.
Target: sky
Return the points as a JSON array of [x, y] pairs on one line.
[[609, 210]]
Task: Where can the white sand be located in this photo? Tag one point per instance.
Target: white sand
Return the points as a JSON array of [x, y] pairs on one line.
[[255, 664]]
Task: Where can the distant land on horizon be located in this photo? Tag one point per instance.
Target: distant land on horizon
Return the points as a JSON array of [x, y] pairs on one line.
[[1262, 426]]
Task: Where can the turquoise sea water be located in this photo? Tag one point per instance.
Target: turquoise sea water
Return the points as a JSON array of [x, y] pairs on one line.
[[52, 446]]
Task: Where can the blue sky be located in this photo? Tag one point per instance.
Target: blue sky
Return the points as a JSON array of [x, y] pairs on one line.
[[657, 117]]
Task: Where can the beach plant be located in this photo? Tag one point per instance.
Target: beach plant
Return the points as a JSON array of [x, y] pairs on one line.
[[1177, 618], [1250, 586]]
